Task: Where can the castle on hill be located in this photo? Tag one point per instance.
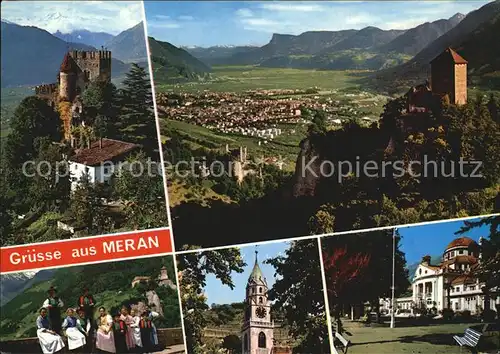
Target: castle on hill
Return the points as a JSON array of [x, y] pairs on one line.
[[448, 79], [78, 69]]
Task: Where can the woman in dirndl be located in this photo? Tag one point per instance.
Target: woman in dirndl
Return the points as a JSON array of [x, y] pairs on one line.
[[49, 340]]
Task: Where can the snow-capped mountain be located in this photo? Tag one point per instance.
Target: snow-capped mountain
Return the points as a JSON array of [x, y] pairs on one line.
[[94, 39], [15, 283]]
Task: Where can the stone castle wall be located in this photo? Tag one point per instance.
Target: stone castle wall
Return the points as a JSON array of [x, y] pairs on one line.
[[95, 64]]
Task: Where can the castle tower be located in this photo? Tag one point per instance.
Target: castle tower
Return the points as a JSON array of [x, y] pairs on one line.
[[68, 76], [449, 76], [163, 277], [95, 65], [257, 331]]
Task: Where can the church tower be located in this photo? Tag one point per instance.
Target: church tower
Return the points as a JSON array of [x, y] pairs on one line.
[[257, 330], [449, 76]]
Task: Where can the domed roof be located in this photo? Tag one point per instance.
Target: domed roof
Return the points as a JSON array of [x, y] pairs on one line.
[[461, 242]]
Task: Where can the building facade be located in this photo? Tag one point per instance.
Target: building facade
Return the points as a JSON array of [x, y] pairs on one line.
[[98, 162], [449, 76], [451, 283], [257, 330]]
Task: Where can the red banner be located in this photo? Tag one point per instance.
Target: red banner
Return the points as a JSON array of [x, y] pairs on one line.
[[85, 250]]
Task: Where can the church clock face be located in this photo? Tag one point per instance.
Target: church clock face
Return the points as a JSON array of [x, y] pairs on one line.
[[261, 312]]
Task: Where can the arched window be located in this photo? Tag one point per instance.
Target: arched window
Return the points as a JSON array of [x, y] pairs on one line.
[[253, 290], [260, 290], [260, 300], [262, 340], [245, 342]]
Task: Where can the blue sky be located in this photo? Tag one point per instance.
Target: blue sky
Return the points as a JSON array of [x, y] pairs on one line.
[[98, 16], [221, 294], [253, 23], [432, 239]]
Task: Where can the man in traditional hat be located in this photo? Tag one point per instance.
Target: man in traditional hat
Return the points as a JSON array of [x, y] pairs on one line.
[[86, 303], [53, 304]]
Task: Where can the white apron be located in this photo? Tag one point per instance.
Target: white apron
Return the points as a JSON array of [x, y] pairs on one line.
[[137, 331], [49, 342], [76, 339]]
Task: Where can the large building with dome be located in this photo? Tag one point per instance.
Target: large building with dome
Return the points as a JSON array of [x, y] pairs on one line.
[[449, 284]]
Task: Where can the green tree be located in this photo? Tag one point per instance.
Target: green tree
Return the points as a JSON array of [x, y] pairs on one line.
[[140, 185], [100, 102], [194, 268], [33, 119], [319, 125], [323, 221], [232, 343], [488, 270], [137, 122], [50, 184], [298, 292], [86, 207]]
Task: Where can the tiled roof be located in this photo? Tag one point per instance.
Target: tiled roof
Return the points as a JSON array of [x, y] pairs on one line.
[[460, 260], [68, 65], [463, 279], [451, 54], [110, 150], [461, 242]]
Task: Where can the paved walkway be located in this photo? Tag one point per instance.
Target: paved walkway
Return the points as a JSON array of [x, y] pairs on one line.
[[174, 349]]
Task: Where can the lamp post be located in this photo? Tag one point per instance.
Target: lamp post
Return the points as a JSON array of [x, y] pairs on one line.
[[393, 276]]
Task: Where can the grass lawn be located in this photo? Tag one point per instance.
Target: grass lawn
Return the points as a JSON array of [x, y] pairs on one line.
[[435, 339], [244, 78]]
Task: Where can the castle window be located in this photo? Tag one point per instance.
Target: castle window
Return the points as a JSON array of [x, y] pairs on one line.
[[245, 342], [260, 290], [260, 300], [262, 340], [253, 290], [461, 252]]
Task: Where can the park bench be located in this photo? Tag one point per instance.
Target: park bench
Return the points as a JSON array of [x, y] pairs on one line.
[[345, 343], [470, 339]]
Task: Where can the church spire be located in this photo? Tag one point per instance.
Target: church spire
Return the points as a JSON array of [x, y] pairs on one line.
[[256, 276]]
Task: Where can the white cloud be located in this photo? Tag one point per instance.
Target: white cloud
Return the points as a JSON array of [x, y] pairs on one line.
[[360, 19], [244, 12], [162, 17], [160, 25], [98, 16], [292, 7], [186, 18]]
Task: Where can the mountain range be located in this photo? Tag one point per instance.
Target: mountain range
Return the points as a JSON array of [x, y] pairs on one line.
[[368, 48], [14, 284], [94, 39], [173, 64], [32, 56], [399, 58], [473, 38]]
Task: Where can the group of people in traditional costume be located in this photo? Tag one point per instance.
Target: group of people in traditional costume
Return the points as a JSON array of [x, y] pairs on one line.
[[127, 331]]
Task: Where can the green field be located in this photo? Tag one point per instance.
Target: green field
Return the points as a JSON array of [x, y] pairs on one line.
[[286, 145], [436, 339], [245, 78]]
